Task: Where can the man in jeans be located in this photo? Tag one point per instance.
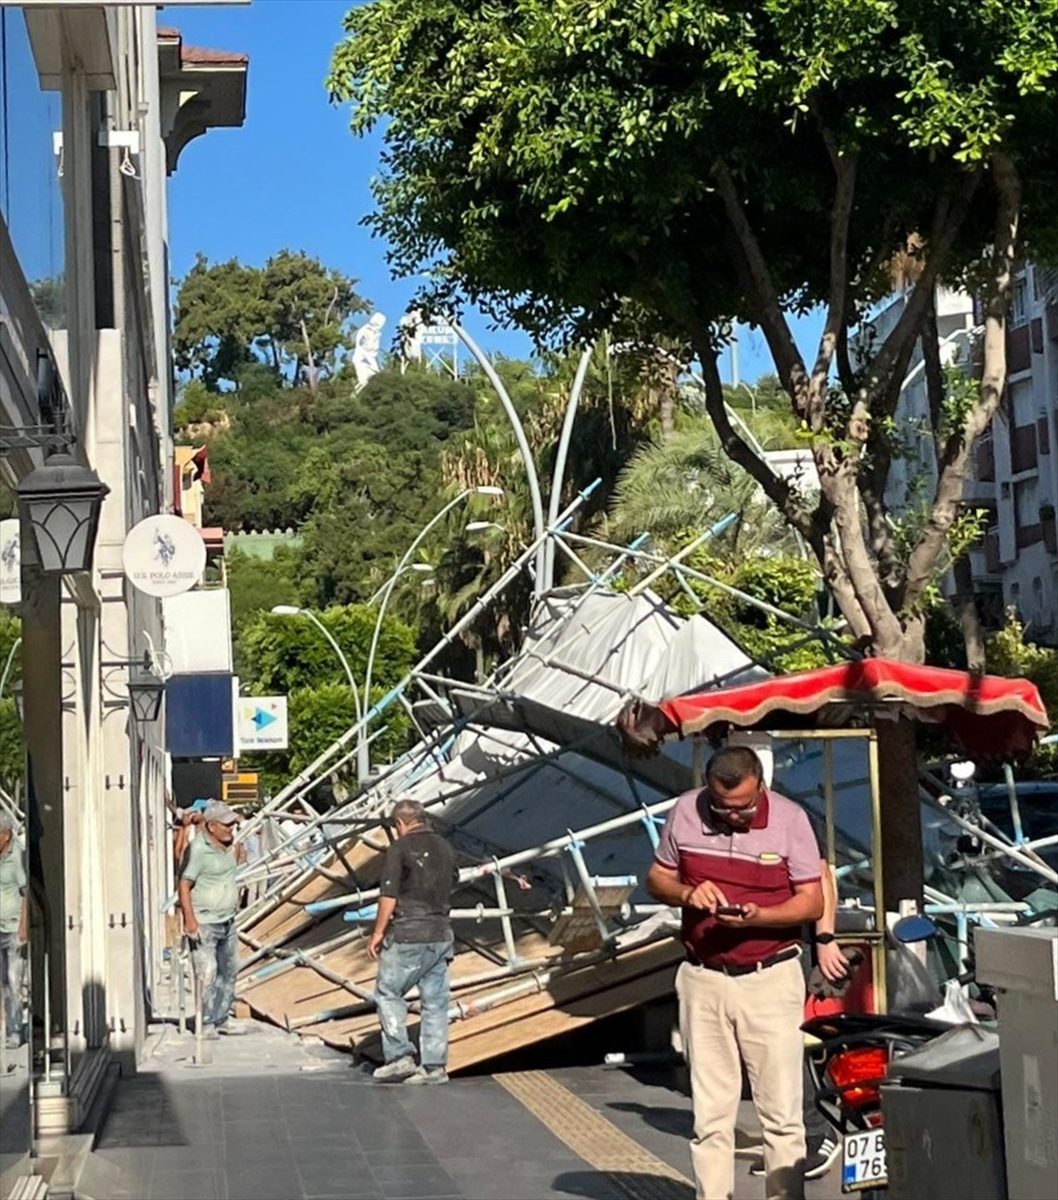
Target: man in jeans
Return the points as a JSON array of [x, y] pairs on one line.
[[412, 940], [12, 927], [743, 864], [209, 898]]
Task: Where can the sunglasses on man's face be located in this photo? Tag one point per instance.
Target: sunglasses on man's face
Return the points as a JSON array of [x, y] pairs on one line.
[[727, 811]]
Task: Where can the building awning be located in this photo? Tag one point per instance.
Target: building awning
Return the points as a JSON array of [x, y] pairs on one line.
[[987, 714]]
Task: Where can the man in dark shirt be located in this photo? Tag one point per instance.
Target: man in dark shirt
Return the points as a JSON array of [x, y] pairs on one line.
[[412, 940]]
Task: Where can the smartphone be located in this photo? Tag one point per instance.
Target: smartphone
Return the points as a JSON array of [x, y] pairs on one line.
[[729, 910]]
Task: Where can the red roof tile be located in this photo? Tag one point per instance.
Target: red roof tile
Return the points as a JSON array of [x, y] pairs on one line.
[[198, 56]]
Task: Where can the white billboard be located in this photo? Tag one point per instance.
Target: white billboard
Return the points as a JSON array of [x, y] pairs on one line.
[[198, 632]]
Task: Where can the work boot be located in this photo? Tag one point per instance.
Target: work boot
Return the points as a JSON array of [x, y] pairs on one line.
[[396, 1071], [232, 1028], [428, 1075]]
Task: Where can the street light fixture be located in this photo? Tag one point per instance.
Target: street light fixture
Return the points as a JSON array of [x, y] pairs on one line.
[[62, 501], [480, 526], [364, 760], [421, 567], [145, 697], [292, 610]]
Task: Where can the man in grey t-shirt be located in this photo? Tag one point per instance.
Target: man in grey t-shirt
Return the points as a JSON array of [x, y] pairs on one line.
[[209, 898], [412, 940]]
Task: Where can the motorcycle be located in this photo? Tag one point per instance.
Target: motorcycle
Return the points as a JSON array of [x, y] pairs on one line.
[[848, 1065]]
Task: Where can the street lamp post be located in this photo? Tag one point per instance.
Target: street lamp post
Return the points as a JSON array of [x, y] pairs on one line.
[[363, 756], [291, 610], [421, 567]]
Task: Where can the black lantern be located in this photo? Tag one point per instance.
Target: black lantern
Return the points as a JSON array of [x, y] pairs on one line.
[[145, 697], [62, 501]]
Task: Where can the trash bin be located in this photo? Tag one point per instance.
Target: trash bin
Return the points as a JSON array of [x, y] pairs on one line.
[[1022, 964], [943, 1122]]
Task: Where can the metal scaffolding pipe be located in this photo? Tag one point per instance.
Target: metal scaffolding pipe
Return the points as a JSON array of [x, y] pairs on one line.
[[546, 850]]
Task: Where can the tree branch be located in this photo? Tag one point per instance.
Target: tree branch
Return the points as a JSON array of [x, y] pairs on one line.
[[738, 450], [952, 468], [898, 345], [787, 357], [837, 299]]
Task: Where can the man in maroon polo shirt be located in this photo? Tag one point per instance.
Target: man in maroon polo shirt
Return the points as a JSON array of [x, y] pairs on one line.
[[743, 864]]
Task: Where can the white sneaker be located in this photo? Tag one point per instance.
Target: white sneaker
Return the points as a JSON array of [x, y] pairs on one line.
[[396, 1071]]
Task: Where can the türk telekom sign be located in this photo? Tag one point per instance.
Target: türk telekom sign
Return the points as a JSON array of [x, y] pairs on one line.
[[164, 556]]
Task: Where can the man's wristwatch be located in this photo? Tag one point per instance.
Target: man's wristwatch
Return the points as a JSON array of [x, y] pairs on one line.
[[824, 939]]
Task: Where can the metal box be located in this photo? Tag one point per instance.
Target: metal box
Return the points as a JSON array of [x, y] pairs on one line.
[[1023, 965]]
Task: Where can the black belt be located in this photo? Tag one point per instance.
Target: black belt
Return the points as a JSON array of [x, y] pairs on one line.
[[779, 956]]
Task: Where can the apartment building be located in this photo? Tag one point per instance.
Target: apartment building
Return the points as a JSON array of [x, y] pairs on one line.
[[1016, 465], [1014, 472]]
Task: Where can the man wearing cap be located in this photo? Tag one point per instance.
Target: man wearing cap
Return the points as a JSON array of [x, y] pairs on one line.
[[743, 864], [209, 898], [12, 927]]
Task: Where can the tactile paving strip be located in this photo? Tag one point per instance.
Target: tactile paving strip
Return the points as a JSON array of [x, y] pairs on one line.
[[637, 1172]]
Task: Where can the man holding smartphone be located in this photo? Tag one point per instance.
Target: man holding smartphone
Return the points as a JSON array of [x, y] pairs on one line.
[[743, 864]]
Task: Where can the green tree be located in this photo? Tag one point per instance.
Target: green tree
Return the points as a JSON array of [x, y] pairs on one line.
[[283, 654], [688, 484], [293, 314], [289, 656], [220, 312], [12, 749], [671, 167]]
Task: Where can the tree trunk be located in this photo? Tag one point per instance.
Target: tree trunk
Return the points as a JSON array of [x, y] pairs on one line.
[[965, 607]]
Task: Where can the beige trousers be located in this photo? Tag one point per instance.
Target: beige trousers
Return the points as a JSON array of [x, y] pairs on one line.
[[756, 1019]]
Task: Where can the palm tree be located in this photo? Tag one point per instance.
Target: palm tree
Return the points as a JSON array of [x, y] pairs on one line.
[[677, 487]]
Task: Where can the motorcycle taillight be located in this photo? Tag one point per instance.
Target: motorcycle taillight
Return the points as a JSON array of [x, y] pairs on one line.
[[856, 1074]]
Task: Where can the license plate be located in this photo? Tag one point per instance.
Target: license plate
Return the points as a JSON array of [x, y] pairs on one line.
[[863, 1161]]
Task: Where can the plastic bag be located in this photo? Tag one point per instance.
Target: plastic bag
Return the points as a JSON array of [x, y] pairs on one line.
[[955, 1009]]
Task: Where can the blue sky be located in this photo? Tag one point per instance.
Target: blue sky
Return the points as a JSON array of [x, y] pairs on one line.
[[293, 175]]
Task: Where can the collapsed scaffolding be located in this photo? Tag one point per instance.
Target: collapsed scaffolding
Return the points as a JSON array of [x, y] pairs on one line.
[[554, 824]]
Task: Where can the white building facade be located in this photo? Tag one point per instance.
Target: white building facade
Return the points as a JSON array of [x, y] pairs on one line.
[[1014, 473], [99, 103]]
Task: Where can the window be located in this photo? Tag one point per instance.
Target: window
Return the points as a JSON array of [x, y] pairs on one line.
[[1019, 301]]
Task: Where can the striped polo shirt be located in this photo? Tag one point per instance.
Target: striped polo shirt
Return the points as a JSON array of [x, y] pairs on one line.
[[757, 865]]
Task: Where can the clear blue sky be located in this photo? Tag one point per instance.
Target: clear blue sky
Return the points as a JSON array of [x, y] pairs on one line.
[[293, 175]]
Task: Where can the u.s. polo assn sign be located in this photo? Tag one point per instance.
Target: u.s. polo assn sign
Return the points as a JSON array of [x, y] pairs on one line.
[[164, 556]]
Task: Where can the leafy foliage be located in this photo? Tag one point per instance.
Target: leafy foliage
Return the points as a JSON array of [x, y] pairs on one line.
[[289, 655], [790, 584], [293, 313], [11, 745], [662, 169], [687, 483]]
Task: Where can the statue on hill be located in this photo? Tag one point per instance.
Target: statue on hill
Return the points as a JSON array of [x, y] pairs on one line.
[[365, 349]]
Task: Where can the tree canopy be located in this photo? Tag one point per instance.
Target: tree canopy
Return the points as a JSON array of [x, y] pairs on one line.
[[293, 314], [667, 168]]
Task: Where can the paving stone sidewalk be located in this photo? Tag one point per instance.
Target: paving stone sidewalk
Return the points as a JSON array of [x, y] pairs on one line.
[[276, 1118]]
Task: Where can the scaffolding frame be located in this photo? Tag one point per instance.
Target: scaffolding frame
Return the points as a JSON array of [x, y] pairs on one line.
[[292, 864]]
